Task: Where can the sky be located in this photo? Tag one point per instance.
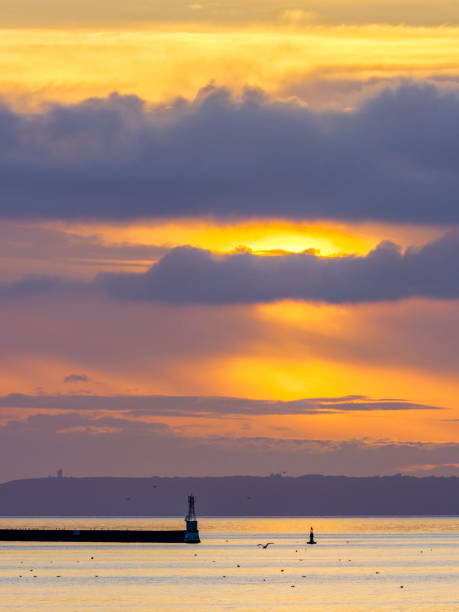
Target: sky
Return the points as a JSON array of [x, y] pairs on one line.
[[229, 237]]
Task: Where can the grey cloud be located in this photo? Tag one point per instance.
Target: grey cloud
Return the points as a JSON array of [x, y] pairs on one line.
[[187, 275], [31, 286], [393, 159], [75, 422], [71, 378], [43, 287], [334, 87], [162, 405]]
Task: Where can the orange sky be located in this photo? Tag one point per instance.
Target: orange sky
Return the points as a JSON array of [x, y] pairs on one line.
[[281, 351], [297, 350], [329, 238], [318, 64], [328, 55]]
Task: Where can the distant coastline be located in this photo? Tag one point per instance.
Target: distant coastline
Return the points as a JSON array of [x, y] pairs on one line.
[[276, 495]]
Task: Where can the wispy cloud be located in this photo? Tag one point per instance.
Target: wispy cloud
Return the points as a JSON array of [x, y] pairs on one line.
[[163, 405]]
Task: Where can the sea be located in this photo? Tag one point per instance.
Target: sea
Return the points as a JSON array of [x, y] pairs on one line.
[[358, 565]]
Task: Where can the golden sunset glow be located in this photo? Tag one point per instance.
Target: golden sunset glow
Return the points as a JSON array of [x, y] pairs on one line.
[[260, 236], [300, 351], [167, 62], [249, 130]]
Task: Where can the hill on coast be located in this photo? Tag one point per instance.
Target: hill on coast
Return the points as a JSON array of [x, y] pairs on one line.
[[274, 495]]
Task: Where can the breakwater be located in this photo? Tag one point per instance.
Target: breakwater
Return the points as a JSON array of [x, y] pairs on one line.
[[91, 535]]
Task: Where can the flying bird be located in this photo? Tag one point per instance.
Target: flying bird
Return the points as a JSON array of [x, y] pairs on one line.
[[265, 545]]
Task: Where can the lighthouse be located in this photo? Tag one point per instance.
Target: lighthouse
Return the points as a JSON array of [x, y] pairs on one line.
[[192, 532]]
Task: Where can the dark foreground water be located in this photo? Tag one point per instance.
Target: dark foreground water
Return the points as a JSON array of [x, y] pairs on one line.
[[359, 564]]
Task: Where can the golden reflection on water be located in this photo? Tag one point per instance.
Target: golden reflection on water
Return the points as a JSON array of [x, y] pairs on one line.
[[241, 526], [359, 564]]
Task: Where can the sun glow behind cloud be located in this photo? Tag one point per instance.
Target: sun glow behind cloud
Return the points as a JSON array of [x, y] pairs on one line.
[[283, 350], [260, 236]]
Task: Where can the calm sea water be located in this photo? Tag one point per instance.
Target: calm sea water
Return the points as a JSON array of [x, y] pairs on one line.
[[359, 564]]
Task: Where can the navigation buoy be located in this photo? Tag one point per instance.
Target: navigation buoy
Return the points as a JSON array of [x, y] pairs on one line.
[[311, 537]]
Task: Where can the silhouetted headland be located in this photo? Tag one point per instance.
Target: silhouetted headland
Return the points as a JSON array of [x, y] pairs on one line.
[[232, 496]]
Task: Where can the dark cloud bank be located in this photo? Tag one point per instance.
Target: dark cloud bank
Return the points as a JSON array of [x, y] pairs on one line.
[[394, 159], [191, 275]]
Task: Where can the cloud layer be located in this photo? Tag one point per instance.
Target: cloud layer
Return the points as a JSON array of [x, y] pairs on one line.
[[108, 446], [194, 275], [394, 159], [162, 405], [190, 275]]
